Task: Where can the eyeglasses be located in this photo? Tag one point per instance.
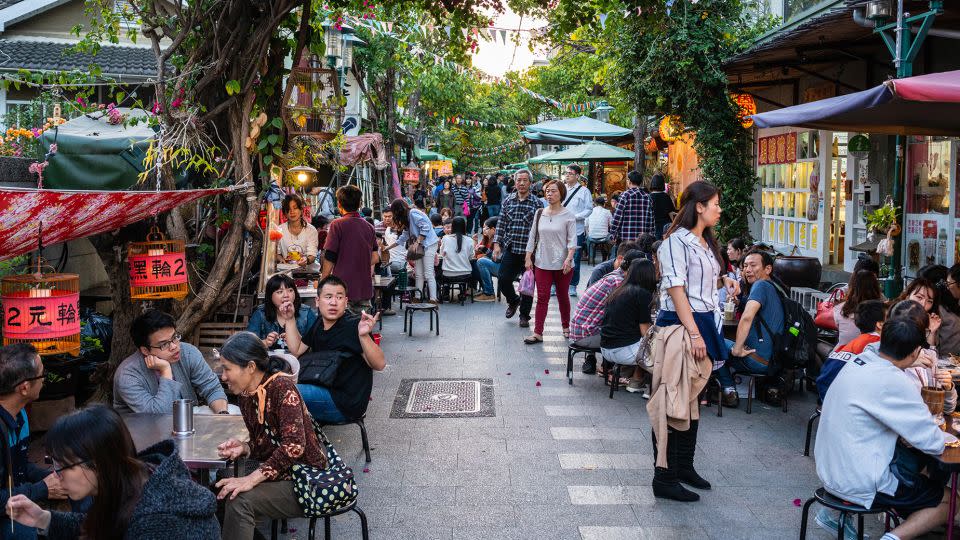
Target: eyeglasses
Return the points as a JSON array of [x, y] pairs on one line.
[[58, 470], [951, 283], [165, 345], [28, 379]]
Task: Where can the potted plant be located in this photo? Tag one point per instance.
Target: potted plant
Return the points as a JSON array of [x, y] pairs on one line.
[[883, 220]]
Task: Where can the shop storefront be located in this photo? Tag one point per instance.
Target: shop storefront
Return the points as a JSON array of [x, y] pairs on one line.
[[802, 177], [932, 212]]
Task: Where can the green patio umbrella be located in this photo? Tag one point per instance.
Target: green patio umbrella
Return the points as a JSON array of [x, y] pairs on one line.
[[591, 151]]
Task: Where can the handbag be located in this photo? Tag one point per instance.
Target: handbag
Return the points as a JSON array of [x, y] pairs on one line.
[[825, 318], [527, 285], [466, 208], [415, 252], [536, 236], [320, 491], [645, 354], [319, 368]]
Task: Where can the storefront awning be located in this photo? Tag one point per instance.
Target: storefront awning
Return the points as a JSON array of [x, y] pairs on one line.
[[69, 215], [922, 105]]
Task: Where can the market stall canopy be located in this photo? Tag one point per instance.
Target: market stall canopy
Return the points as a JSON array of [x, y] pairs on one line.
[[583, 127], [922, 105], [69, 215], [542, 158], [366, 148], [423, 154], [516, 166], [592, 151], [543, 138], [94, 154]]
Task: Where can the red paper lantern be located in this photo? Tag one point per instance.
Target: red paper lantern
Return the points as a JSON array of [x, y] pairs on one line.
[[747, 108], [158, 268], [651, 146], [43, 310]]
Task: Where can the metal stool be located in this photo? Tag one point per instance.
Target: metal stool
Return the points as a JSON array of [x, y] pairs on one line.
[[447, 285], [821, 496], [751, 387], [813, 417], [363, 433], [705, 394], [326, 524], [432, 309], [572, 350], [615, 382]]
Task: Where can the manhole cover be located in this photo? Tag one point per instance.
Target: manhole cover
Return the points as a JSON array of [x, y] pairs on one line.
[[444, 398]]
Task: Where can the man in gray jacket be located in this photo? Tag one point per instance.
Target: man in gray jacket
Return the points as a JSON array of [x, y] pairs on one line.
[[163, 370], [870, 404]]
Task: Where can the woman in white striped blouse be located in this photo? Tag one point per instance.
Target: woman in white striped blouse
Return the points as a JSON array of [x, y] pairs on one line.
[[690, 271]]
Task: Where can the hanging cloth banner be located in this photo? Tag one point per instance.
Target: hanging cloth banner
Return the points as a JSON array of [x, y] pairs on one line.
[[502, 149], [69, 215]]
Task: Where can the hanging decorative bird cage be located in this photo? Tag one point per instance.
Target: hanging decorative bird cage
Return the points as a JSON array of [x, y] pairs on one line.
[[312, 101], [746, 108], [157, 268], [42, 309]]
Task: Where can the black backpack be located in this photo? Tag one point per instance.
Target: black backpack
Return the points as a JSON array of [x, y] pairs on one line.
[[796, 346]]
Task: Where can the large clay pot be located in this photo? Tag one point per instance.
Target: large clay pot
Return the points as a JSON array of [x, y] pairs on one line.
[[796, 271]]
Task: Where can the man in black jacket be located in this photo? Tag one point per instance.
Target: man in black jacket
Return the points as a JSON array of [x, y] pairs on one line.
[[21, 378]]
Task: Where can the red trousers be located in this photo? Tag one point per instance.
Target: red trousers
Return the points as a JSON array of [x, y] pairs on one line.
[[545, 279]]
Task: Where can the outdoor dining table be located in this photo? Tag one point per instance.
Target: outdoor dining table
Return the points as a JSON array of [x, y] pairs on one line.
[[380, 285], [198, 451]]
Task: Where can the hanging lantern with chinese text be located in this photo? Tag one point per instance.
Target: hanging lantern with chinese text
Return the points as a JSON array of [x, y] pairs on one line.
[[157, 268], [747, 107], [671, 128], [42, 310]]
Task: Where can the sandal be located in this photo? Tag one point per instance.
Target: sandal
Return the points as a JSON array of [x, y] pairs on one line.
[[531, 339]]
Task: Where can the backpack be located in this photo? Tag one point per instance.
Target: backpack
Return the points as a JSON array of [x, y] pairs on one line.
[[796, 346]]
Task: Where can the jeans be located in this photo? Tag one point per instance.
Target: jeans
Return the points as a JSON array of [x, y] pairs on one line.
[[577, 255], [545, 280], [493, 210], [320, 404], [512, 265], [741, 365], [487, 269], [426, 271]]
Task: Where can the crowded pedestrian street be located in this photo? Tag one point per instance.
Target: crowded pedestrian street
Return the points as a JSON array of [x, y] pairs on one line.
[[554, 460]]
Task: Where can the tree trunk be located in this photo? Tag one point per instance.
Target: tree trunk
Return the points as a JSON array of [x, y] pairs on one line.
[[639, 136]]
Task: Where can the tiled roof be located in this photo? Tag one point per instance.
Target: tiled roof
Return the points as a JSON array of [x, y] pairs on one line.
[[49, 56], [7, 3]]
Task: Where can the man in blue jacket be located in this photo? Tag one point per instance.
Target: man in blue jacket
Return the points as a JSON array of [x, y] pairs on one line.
[[21, 378]]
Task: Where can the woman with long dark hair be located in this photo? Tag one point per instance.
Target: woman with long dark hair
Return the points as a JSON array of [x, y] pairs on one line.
[[146, 496], [281, 301], [863, 286], [269, 400], [456, 249], [417, 228], [690, 272], [924, 292], [299, 242], [948, 337], [627, 317]]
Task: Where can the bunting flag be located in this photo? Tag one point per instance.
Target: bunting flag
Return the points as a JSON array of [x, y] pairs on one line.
[[475, 123], [386, 29], [502, 149]]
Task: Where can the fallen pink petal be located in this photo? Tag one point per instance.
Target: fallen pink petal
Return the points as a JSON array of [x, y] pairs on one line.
[[366, 470], [796, 502], [546, 371], [538, 383]]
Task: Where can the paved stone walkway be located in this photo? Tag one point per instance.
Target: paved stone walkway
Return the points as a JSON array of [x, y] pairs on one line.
[[557, 461]]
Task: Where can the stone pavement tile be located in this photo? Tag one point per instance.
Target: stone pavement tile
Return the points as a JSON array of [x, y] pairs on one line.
[[603, 461], [642, 533], [559, 391], [456, 445], [599, 433], [462, 515], [507, 532], [438, 476], [486, 476], [637, 477], [610, 494], [765, 478], [538, 515], [411, 533], [638, 446], [517, 447], [512, 494], [578, 411], [758, 533]]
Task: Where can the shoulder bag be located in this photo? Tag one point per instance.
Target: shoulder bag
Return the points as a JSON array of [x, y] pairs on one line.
[[536, 235], [825, 318], [319, 368], [320, 491]]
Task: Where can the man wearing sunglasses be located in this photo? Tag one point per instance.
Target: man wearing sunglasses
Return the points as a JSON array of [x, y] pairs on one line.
[[164, 370], [21, 378]]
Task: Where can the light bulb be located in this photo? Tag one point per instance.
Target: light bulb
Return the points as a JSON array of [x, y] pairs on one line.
[[302, 177]]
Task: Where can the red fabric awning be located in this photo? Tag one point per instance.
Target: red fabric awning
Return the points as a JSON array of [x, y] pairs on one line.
[[944, 87], [68, 215]]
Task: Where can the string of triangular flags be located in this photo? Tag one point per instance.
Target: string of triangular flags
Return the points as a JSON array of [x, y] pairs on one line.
[[502, 149], [474, 123], [386, 28]]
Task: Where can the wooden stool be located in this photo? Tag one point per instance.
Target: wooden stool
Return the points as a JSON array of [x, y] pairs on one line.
[[432, 309]]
